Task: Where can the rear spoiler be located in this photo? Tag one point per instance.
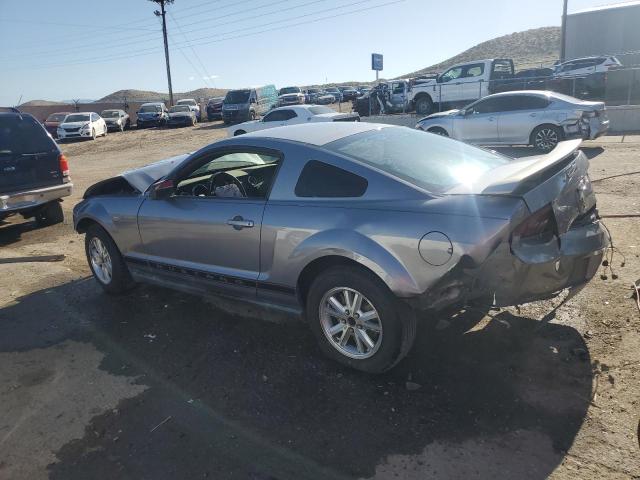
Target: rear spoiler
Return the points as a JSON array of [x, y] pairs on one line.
[[539, 168]]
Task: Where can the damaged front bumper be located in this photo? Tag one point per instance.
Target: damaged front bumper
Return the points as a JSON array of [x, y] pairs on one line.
[[516, 274]]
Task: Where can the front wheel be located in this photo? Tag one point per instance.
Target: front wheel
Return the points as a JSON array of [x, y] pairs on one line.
[[93, 134], [238, 132], [439, 131], [546, 137], [106, 262], [357, 320]]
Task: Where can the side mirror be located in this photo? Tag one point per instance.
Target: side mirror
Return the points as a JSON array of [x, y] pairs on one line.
[[162, 190], [462, 113]]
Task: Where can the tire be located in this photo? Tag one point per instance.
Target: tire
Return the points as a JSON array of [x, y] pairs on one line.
[[391, 333], [193, 122], [438, 131], [424, 105], [50, 214], [93, 134], [106, 130], [121, 128], [545, 138], [118, 280], [238, 132]]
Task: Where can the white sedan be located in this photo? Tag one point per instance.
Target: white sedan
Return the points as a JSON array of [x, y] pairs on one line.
[[293, 115], [82, 125]]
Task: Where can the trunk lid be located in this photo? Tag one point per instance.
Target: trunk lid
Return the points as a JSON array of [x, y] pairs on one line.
[[559, 178], [29, 158]]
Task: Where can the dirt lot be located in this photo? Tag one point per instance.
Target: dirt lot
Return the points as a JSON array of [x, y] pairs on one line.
[[159, 384]]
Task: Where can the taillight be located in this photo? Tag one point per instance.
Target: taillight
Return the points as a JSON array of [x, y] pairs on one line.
[[541, 222], [64, 165]]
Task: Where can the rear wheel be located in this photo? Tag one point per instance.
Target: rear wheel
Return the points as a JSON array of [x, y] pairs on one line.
[[93, 134], [545, 137], [106, 262], [424, 106], [357, 320], [238, 132], [50, 214]]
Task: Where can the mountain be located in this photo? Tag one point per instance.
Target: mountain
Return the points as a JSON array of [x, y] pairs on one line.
[[142, 95], [528, 49], [40, 103]]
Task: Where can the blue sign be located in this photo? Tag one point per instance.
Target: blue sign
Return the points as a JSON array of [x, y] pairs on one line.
[[376, 61]]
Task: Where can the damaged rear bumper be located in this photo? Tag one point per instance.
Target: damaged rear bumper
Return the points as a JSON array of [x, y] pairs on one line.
[[516, 274]]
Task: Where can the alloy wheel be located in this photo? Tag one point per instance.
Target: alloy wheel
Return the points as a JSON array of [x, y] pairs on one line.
[[546, 139], [100, 260], [350, 322]]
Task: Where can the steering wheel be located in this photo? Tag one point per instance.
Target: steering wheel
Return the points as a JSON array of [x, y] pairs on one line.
[[227, 177]]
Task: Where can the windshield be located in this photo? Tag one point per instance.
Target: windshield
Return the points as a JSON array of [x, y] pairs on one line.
[[56, 117], [179, 108], [428, 161], [319, 110], [150, 108], [77, 117], [237, 96], [284, 91], [187, 102], [110, 114]]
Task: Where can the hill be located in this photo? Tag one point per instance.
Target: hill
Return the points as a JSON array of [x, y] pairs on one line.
[[528, 49], [142, 95], [40, 103]]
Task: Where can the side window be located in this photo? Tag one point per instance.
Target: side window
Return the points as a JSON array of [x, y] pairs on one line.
[[451, 74], [474, 70], [275, 116], [398, 88], [533, 103], [484, 106], [289, 114], [321, 180], [236, 175]]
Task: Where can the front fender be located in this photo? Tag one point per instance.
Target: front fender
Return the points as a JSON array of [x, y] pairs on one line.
[[359, 248]]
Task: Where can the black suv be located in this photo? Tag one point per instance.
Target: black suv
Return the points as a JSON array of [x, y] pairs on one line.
[[34, 174]]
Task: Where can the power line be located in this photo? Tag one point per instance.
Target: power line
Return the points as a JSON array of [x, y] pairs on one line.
[[150, 51], [195, 54], [125, 41]]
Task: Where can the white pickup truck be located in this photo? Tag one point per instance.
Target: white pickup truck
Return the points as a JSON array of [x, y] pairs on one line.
[[459, 85]]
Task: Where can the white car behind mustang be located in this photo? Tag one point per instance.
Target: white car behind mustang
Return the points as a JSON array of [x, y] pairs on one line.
[[82, 125], [293, 115]]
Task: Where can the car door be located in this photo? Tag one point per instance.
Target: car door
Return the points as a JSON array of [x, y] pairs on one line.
[[479, 122], [278, 118], [209, 241], [519, 115]]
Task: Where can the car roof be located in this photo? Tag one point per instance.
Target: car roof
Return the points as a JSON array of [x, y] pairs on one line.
[[317, 133], [534, 93], [152, 103]]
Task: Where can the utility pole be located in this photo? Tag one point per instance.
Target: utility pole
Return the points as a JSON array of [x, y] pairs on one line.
[[563, 35], [162, 13]]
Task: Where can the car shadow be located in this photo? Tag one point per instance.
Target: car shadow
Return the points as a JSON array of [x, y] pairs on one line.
[[232, 397], [18, 230], [213, 125]]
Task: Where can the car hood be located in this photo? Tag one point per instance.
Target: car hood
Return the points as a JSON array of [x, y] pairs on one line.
[[448, 113], [142, 178]]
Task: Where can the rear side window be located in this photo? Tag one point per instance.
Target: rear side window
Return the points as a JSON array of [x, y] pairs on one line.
[[512, 103], [19, 135], [280, 116], [321, 180]]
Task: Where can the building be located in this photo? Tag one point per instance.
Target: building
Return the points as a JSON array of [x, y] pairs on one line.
[[611, 29]]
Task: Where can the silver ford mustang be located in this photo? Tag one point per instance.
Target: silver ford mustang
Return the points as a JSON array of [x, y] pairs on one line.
[[359, 227]]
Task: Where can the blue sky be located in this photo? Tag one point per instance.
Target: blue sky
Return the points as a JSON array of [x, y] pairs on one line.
[[59, 50]]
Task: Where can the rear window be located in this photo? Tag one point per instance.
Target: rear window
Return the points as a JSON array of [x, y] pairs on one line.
[[150, 108], [321, 180], [23, 135], [428, 161]]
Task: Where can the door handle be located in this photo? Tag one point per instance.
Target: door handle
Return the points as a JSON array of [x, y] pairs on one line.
[[239, 223]]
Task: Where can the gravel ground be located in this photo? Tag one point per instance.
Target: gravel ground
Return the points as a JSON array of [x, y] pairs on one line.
[[159, 384]]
